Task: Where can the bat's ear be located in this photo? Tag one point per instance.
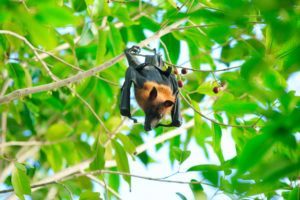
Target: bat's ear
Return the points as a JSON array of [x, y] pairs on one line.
[[168, 103], [153, 94]]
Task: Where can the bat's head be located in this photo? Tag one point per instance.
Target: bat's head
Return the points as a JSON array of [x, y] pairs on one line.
[[158, 105]]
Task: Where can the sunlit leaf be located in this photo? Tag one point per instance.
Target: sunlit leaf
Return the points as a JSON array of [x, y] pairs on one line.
[[58, 131], [180, 155], [122, 160], [89, 195], [20, 181], [99, 160], [181, 196]]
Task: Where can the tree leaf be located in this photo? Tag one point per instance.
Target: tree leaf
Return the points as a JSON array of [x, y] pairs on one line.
[[173, 47], [181, 196], [20, 181], [89, 195], [217, 141], [180, 155], [122, 160], [197, 190], [79, 5], [254, 150], [127, 143], [99, 160], [58, 131]]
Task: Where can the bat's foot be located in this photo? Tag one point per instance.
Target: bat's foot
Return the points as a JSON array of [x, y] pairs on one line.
[[135, 49]]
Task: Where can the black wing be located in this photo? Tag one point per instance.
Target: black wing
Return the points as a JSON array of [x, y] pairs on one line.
[[132, 75]]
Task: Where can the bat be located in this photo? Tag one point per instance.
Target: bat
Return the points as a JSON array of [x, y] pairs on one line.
[[156, 90]]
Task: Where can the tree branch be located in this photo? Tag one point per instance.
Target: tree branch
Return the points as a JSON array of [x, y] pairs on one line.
[[75, 67], [32, 143], [81, 75], [111, 163], [98, 172]]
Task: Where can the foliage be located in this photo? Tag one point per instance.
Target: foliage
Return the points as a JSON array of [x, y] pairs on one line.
[[80, 123]]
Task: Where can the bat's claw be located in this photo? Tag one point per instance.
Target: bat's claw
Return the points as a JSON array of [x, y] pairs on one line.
[[135, 49], [133, 119]]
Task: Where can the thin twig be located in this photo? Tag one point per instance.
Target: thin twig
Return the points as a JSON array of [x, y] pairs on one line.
[[4, 119], [98, 172], [166, 50], [207, 25], [33, 143], [212, 120], [200, 70], [5, 86], [3, 132]]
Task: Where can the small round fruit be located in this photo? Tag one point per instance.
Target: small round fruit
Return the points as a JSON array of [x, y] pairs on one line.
[[180, 83], [216, 90], [183, 70], [175, 71]]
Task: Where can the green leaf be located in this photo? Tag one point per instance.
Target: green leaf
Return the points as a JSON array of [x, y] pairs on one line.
[[54, 157], [122, 160], [58, 131], [27, 118], [173, 47], [194, 53], [235, 107], [236, 52], [217, 141], [79, 5], [20, 181], [50, 15], [101, 49], [116, 40], [197, 186], [100, 9], [99, 160], [16, 70], [181, 196], [204, 168], [209, 172], [219, 33], [207, 88], [180, 155], [148, 23], [89, 195], [254, 151], [294, 194], [127, 143], [122, 13], [197, 190]]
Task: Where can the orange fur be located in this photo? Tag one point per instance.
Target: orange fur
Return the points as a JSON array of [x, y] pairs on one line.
[[163, 93]]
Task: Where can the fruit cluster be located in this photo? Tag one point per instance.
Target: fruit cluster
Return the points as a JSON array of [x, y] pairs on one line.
[[183, 71]]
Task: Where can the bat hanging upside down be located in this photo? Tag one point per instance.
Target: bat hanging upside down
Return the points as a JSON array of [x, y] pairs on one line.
[[156, 91]]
